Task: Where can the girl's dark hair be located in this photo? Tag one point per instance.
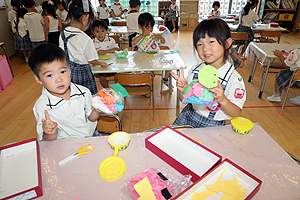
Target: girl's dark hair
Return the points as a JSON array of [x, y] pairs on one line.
[[20, 14], [45, 54], [146, 19], [248, 6], [76, 11], [50, 10], [216, 3], [213, 27], [16, 3], [63, 3]]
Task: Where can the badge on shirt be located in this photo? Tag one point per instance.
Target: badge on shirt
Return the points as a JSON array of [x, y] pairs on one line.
[[239, 93], [291, 57]]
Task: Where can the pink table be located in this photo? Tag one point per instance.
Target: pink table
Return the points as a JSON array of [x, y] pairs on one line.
[[256, 152]]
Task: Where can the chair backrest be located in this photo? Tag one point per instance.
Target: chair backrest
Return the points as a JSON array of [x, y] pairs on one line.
[[108, 124], [239, 35], [134, 78], [116, 38], [120, 23], [271, 34]]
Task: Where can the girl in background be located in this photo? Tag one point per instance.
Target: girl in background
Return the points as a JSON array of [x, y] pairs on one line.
[[53, 25], [62, 12], [247, 18], [212, 40], [78, 46], [22, 40]]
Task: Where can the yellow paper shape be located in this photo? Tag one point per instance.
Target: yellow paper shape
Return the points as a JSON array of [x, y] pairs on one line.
[[144, 189]]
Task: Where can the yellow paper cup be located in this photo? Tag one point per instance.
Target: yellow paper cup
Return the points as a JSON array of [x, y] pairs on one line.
[[119, 140], [241, 125]]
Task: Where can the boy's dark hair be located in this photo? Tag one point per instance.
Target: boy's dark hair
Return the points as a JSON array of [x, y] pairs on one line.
[[28, 3], [248, 6], [134, 3], [146, 19], [216, 3], [45, 54], [99, 24], [76, 11], [15, 3], [213, 27]]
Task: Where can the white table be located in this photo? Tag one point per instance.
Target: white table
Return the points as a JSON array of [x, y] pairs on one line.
[[256, 152], [139, 61], [258, 28], [123, 30], [262, 52], [156, 19]]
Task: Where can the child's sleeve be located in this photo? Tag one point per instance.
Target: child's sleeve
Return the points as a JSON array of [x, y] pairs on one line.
[[236, 91], [293, 60], [89, 51], [38, 111], [98, 9], [88, 104]]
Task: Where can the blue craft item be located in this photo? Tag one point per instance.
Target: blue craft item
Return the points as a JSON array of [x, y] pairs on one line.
[[119, 107], [194, 100]]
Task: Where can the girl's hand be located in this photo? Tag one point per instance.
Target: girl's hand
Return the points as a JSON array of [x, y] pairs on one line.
[[49, 127], [181, 82], [219, 93], [103, 65], [277, 53]]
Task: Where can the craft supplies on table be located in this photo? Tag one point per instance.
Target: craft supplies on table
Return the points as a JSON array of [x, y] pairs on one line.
[[84, 149]]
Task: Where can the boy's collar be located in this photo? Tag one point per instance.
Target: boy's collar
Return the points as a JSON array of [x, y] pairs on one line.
[[133, 11]]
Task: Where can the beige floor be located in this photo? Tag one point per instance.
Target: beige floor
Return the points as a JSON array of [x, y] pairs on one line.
[[17, 121]]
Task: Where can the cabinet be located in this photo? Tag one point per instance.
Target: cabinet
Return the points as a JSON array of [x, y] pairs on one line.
[[284, 12], [188, 14], [163, 7]]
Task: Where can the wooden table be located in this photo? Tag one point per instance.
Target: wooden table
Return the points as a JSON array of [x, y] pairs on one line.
[[256, 152], [139, 61], [262, 52], [258, 28]]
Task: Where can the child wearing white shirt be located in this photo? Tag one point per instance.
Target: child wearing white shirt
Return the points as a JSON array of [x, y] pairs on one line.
[[103, 11], [117, 9], [13, 13], [132, 20]]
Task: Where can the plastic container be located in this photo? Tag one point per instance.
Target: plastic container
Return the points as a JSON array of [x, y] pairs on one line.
[[241, 125]]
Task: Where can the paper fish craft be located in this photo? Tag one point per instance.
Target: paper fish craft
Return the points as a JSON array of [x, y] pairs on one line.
[[197, 91]]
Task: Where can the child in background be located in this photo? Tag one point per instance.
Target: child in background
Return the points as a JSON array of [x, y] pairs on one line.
[[103, 11], [53, 25], [13, 13], [215, 12], [22, 40], [103, 45], [35, 24], [79, 46], [247, 18], [117, 9], [283, 78], [64, 109], [212, 41], [146, 23], [132, 20], [62, 12], [171, 15]]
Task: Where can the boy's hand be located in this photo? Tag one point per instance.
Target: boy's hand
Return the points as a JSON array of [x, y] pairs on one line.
[[49, 127], [277, 53], [181, 82], [101, 52], [219, 93], [157, 37], [146, 33], [103, 65]]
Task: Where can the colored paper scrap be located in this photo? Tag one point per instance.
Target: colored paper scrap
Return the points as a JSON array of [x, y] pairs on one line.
[[119, 88], [144, 189], [104, 57], [171, 51]]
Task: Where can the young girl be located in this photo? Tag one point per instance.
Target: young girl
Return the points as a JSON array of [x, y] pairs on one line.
[[103, 11], [62, 12], [212, 40], [22, 40], [215, 12], [78, 46], [171, 15], [53, 25], [247, 18]]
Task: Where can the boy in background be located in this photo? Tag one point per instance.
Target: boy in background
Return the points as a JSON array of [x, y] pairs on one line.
[[117, 9], [35, 24], [103, 45], [64, 109], [132, 20], [103, 11]]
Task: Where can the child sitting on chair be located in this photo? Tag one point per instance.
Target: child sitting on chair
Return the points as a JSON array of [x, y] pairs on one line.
[[64, 110], [146, 23], [284, 77], [103, 44]]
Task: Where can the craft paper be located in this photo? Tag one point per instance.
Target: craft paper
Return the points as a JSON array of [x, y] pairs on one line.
[[119, 88], [104, 57], [144, 189]]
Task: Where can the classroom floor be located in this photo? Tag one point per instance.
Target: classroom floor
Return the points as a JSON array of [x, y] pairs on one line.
[[17, 121]]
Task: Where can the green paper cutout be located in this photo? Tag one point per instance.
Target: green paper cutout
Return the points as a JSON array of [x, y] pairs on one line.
[[172, 51], [119, 88], [208, 76], [206, 95], [104, 57]]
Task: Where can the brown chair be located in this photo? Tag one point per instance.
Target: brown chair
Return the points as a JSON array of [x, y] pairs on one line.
[[108, 124], [120, 23], [239, 39], [117, 39], [295, 78], [137, 83], [269, 37]]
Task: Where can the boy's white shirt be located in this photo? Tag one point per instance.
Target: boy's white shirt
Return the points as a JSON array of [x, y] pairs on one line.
[[103, 12], [71, 115], [11, 15], [35, 24], [293, 60], [235, 91], [132, 23], [81, 47], [250, 19], [106, 44], [117, 8]]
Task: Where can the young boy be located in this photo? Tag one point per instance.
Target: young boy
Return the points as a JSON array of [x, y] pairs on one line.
[[132, 20], [146, 23], [117, 9], [64, 109], [215, 12], [13, 13], [35, 24], [103, 45], [103, 11], [283, 77]]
